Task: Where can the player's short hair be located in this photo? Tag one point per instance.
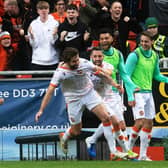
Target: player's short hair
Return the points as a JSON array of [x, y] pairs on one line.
[[69, 53], [105, 30], [95, 49], [147, 34]]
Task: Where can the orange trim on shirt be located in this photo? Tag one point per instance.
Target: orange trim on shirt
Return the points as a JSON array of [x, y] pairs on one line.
[[97, 72], [106, 124], [51, 84], [64, 68]]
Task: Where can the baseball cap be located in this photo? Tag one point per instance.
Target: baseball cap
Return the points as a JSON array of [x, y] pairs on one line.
[[4, 35], [151, 22]]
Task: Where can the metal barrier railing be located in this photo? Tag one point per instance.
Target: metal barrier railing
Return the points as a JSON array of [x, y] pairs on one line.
[[25, 72], [25, 75]]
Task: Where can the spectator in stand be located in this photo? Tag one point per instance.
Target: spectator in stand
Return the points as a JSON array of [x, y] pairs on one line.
[[7, 52], [60, 11], [86, 10], [103, 7], [102, 4], [13, 20], [17, 17], [73, 33], [138, 9], [51, 3], [6, 18], [160, 44], [30, 12], [120, 26], [159, 9], [42, 36]]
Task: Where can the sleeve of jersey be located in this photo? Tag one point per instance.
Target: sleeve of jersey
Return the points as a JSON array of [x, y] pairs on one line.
[[157, 75], [110, 66], [55, 81], [90, 66], [129, 85]]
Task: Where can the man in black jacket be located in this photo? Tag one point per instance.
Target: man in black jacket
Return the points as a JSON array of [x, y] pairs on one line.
[[73, 33], [119, 25]]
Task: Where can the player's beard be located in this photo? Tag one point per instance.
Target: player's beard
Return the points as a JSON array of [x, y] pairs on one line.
[[98, 63], [105, 46], [73, 67]]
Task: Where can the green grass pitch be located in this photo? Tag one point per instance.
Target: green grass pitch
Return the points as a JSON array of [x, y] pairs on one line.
[[83, 164]]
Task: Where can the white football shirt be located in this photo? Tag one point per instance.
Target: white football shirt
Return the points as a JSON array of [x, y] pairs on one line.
[[74, 83], [100, 84]]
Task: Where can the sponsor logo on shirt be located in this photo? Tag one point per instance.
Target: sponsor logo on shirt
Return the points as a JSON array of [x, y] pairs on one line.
[[141, 113], [71, 36]]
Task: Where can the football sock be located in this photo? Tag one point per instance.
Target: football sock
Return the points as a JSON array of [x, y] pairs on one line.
[[67, 134], [107, 128], [145, 138], [121, 140], [133, 137], [126, 139], [97, 134]]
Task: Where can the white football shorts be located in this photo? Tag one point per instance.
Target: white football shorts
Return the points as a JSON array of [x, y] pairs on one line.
[[144, 107], [115, 106], [76, 107]]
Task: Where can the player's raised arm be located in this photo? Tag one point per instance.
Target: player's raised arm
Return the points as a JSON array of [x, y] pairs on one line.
[[45, 101]]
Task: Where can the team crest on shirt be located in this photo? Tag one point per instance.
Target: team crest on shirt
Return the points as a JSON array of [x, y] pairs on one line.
[[141, 113], [72, 119]]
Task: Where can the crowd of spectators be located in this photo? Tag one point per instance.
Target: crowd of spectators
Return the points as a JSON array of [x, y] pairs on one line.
[[35, 32]]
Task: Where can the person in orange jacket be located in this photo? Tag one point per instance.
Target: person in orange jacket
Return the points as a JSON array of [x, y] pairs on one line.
[[60, 11], [7, 51]]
